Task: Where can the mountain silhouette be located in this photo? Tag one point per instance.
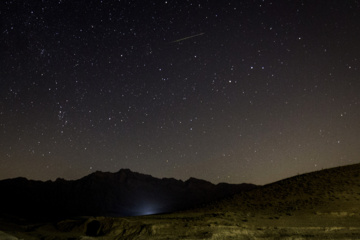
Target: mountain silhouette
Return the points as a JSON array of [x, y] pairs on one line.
[[124, 193]]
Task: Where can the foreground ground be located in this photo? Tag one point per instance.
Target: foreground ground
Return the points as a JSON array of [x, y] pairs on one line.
[[220, 225]]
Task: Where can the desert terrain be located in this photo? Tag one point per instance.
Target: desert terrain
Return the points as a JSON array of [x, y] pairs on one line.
[[318, 205]]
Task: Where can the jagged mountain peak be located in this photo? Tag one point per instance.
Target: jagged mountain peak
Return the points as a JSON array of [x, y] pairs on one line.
[[122, 193]]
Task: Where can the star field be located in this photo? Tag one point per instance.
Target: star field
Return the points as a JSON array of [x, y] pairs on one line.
[[226, 91]]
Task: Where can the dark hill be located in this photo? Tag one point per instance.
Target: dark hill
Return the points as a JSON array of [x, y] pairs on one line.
[[124, 193], [329, 191]]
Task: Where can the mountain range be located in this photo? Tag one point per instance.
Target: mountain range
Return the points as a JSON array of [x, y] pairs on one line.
[[124, 193]]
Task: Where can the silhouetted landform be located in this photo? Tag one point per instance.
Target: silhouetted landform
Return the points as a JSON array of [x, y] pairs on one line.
[[316, 191], [124, 193], [319, 205]]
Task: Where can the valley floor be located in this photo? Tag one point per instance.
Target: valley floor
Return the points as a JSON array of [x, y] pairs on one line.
[[194, 225]]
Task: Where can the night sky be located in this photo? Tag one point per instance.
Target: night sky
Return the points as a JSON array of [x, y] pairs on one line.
[[226, 91]]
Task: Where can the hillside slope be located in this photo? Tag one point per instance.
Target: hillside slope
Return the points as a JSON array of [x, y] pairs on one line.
[[330, 190]]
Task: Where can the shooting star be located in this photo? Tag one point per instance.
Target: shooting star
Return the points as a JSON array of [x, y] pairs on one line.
[[186, 38]]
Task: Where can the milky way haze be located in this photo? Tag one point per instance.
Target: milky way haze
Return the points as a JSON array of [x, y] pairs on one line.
[[226, 91]]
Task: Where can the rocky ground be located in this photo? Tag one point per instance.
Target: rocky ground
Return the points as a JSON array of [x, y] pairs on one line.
[[332, 225], [320, 205]]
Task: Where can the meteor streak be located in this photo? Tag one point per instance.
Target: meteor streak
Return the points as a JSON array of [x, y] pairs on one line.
[[186, 38]]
